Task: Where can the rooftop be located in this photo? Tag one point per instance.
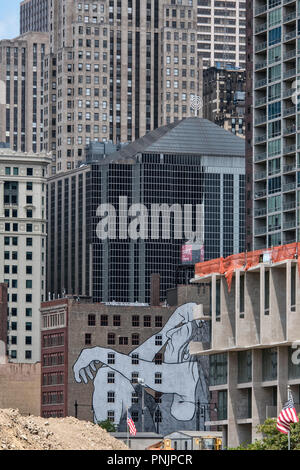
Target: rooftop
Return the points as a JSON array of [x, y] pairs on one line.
[[191, 136]]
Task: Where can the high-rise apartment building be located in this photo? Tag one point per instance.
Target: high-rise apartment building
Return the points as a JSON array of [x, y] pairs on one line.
[[116, 71], [191, 163], [224, 98], [21, 91], [34, 16], [222, 33], [276, 135], [23, 248]]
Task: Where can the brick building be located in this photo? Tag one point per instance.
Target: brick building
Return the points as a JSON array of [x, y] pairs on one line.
[[129, 340]]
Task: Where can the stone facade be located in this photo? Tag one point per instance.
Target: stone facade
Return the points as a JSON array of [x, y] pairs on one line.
[[253, 350], [23, 248], [22, 91]]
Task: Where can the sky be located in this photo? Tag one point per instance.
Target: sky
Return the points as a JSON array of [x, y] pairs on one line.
[[9, 19]]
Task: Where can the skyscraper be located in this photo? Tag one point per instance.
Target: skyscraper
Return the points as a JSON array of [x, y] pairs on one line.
[[222, 33], [116, 71], [275, 123], [34, 16], [224, 98], [22, 90], [23, 248], [183, 167]]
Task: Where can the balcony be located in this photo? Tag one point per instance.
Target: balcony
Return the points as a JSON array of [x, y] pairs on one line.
[[260, 157], [289, 111], [289, 225], [289, 149], [260, 230], [260, 194], [261, 175], [289, 187], [289, 73], [260, 138], [261, 10], [261, 102], [261, 65], [260, 212], [289, 55], [289, 36], [289, 168], [290, 17], [289, 130], [261, 28], [289, 206], [261, 83], [288, 93], [260, 47], [260, 120]]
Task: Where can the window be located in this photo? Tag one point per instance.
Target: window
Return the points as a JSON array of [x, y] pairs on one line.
[[134, 377], [117, 320], [28, 326], [158, 340], [29, 171], [111, 416], [267, 292], [134, 398], [110, 358], [147, 321], [123, 340], [158, 359], [110, 397], [158, 322], [135, 358], [111, 338], [92, 320], [104, 320], [158, 378], [135, 339], [135, 320], [218, 300], [217, 369], [110, 377], [88, 338]]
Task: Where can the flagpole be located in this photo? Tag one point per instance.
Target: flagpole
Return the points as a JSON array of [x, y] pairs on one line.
[[289, 433], [127, 427]]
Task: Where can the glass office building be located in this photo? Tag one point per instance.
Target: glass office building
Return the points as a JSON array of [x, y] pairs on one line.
[[190, 163]]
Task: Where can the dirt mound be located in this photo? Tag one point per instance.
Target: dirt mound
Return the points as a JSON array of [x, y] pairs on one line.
[[34, 433]]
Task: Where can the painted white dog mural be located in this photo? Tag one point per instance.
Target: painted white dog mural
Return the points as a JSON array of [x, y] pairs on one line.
[[181, 373]]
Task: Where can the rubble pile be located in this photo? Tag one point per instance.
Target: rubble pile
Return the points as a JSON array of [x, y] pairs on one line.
[[35, 433]]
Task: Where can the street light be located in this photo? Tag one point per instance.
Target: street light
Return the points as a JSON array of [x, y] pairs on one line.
[[142, 384], [200, 406]]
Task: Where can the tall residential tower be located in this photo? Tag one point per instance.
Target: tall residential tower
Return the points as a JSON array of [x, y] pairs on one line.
[[116, 71], [276, 136]]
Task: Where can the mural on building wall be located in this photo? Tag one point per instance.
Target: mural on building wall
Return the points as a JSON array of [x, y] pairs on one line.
[[180, 380]]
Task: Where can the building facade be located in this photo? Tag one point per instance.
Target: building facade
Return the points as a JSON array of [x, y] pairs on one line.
[[34, 16], [224, 98], [3, 320], [222, 33], [22, 91], [132, 341], [116, 71], [253, 351], [188, 180], [275, 128], [23, 248]]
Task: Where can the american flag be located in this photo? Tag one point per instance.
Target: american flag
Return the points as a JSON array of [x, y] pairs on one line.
[[287, 416], [131, 425]]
